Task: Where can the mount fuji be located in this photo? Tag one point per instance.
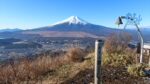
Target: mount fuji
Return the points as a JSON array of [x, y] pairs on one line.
[[71, 27]]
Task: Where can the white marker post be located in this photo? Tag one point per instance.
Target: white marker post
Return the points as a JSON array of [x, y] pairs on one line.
[[98, 56]]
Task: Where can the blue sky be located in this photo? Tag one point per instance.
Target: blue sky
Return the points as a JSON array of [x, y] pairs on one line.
[[28, 14]]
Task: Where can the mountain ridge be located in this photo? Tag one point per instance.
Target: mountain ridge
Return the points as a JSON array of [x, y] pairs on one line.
[[75, 24], [10, 30]]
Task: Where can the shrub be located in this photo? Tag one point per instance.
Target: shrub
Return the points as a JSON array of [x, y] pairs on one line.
[[116, 42], [116, 51], [75, 54], [119, 59], [137, 69]]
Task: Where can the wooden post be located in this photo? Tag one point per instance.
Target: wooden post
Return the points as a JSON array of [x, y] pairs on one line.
[[149, 57], [148, 53], [98, 54]]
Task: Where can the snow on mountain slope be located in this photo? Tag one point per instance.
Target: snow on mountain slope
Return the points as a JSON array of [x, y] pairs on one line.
[[72, 20]]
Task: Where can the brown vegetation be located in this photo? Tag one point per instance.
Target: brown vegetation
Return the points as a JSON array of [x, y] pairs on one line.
[[27, 70], [137, 69], [116, 51], [117, 42], [75, 54]]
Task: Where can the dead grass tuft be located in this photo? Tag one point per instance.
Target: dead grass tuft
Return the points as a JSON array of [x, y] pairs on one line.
[[137, 69], [75, 54]]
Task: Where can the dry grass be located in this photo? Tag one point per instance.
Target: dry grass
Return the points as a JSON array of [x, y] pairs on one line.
[[27, 70], [116, 51], [137, 69], [123, 58], [75, 54]]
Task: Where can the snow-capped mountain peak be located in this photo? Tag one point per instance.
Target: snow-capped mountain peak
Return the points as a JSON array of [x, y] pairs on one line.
[[72, 20]]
